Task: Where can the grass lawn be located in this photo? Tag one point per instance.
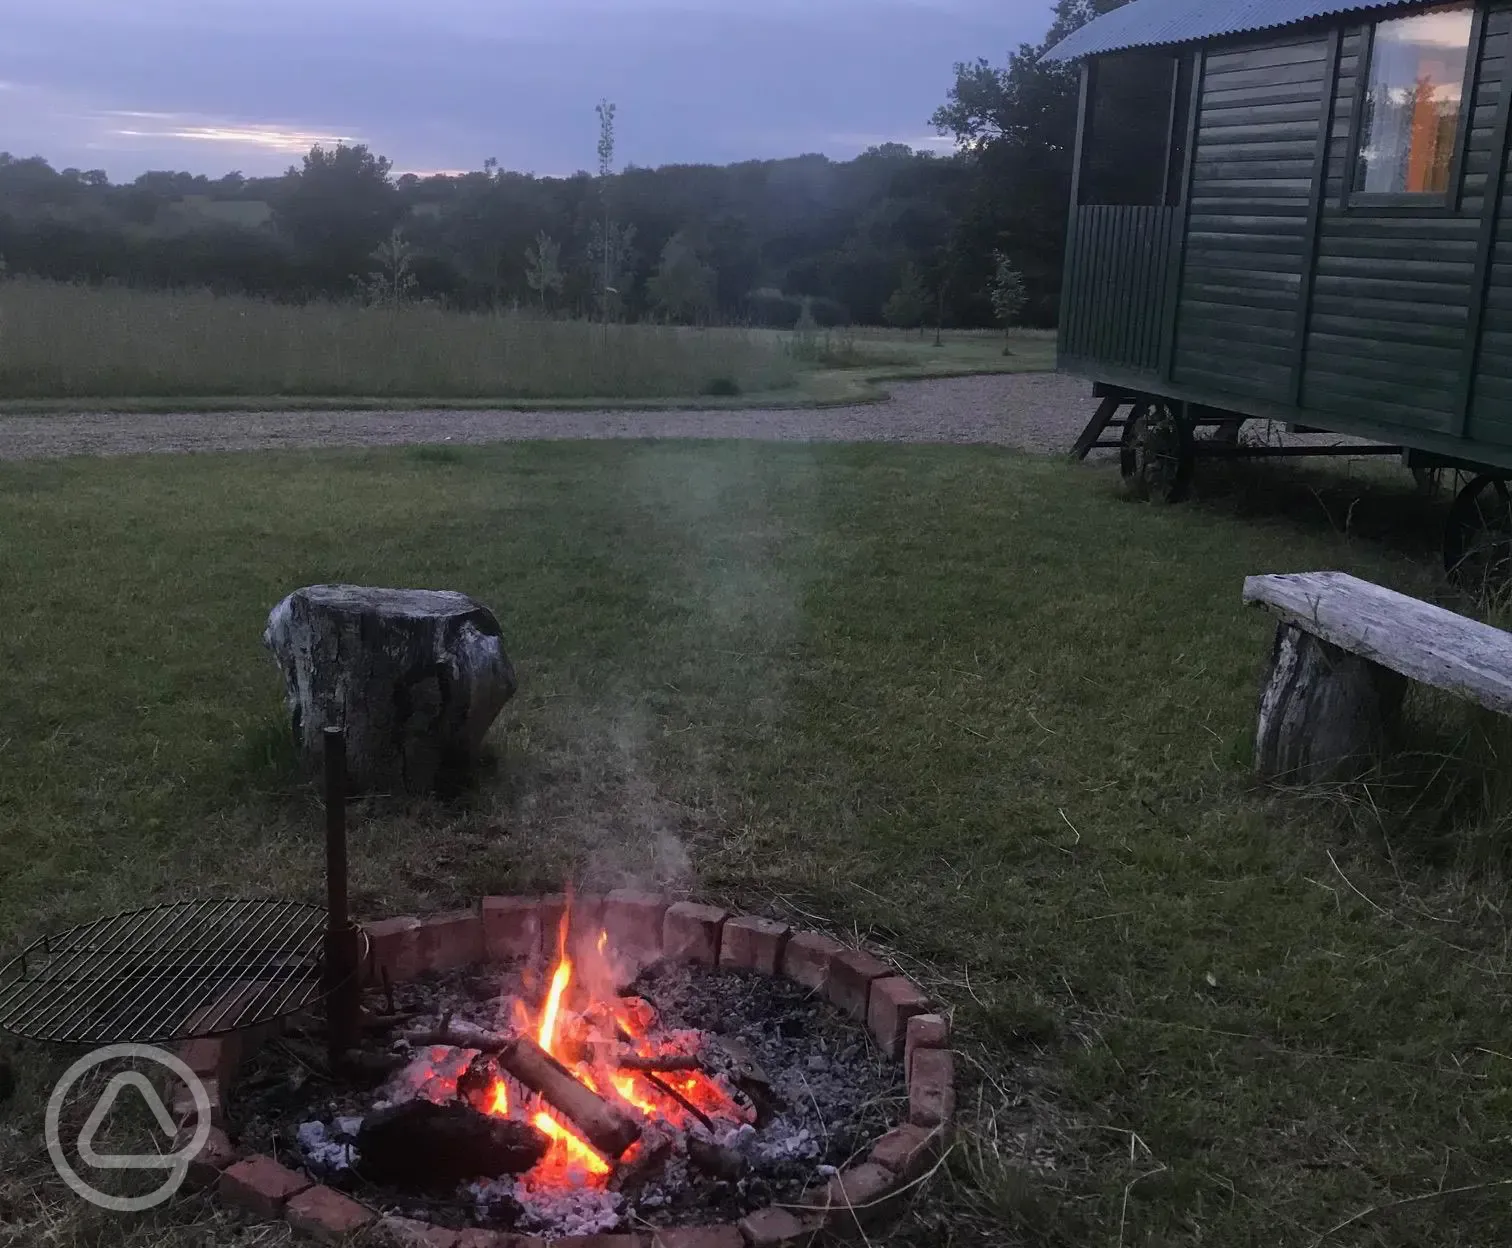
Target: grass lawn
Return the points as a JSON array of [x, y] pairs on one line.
[[965, 703], [73, 348]]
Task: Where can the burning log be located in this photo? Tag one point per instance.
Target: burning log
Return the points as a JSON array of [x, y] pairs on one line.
[[659, 1065], [605, 1127], [475, 1085], [666, 1089], [420, 1143]]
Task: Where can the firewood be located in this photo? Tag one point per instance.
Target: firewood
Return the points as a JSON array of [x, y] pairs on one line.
[[716, 1160], [420, 1143], [659, 1065], [650, 1158], [458, 1036], [605, 1127], [475, 1084]]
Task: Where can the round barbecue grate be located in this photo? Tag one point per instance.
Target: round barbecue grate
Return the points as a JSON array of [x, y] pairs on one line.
[[166, 973]]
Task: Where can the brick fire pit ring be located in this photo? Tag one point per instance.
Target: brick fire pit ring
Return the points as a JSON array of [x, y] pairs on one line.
[[894, 1010]]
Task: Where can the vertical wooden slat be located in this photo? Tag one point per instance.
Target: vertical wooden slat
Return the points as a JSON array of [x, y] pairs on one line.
[[1314, 217], [1485, 242], [1177, 262]]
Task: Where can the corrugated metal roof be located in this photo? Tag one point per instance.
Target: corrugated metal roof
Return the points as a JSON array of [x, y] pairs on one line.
[[1152, 23]]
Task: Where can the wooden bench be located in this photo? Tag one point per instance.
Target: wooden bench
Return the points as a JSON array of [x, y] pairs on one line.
[[1344, 652]]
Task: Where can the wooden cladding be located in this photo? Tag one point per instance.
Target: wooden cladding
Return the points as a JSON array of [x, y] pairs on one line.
[[1119, 284]]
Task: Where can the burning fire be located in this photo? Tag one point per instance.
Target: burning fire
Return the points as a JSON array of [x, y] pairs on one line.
[[571, 1026]]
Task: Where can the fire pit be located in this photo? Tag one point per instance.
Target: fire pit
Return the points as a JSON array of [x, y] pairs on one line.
[[624, 1068]]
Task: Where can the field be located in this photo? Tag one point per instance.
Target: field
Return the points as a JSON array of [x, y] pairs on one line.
[[962, 702], [73, 346]]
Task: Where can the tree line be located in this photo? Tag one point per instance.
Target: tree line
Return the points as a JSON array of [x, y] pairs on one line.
[[894, 236]]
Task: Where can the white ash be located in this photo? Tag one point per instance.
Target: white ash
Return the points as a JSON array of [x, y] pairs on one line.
[[329, 1149], [580, 1211]]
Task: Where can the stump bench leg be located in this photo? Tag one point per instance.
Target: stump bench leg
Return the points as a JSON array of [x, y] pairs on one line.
[[1325, 714]]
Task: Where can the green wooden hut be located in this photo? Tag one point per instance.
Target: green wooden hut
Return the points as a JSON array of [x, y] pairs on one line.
[[1293, 210]]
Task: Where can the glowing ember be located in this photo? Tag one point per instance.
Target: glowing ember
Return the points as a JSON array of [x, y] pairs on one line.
[[567, 1025]]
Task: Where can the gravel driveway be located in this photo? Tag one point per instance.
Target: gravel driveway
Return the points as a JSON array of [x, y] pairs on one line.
[[1035, 411]]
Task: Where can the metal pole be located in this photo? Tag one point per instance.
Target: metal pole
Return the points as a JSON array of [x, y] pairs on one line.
[[336, 837], [343, 989]]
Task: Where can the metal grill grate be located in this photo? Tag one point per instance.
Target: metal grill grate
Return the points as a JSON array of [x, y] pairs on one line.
[[166, 973]]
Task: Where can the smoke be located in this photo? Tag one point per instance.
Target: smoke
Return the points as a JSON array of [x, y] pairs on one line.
[[631, 762]]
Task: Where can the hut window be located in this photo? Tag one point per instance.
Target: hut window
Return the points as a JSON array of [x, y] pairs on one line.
[[1135, 129], [1410, 115]]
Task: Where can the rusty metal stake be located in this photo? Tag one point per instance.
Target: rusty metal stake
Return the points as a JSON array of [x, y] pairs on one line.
[[343, 989]]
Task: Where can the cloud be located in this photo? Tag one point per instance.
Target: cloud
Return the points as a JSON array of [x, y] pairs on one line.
[[256, 136]]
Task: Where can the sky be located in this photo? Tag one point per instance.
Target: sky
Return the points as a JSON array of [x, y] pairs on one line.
[[212, 86]]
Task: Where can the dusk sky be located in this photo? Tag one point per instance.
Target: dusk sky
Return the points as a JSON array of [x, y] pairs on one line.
[[216, 85]]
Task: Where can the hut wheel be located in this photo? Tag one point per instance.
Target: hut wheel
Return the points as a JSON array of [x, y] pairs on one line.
[[1478, 537], [1156, 453]]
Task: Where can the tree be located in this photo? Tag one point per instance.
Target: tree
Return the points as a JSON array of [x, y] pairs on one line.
[[683, 287], [1008, 297], [607, 237], [1017, 127], [906, 306], [393, 281], [612, 257], [337, 210], [543, 266]]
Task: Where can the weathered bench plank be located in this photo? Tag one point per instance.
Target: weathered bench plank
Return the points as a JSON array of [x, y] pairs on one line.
[[1422, 642]]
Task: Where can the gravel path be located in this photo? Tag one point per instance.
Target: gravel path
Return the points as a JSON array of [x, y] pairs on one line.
[[1040, 412]]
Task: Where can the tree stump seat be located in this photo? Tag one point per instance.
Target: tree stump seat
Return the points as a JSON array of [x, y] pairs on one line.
[[416, 677], [1344, 652]]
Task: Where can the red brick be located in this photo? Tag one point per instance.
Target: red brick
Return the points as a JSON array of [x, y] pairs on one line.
[[587, 919], [217, 1153], [698, 1237], [212, 1057], [753, 943], [931, 1088], [552, 907], [476, 1237], [857, 1196], [222, 1015], [185, 1109], [407, 1233], [326, 1215], [776, 1228], [394, 948], [907, 1151], [690, 932], [634, 922], [260, 1185], [511, 928], [851, 974], [807, 957], [893, 1001], [450, 940], [925, 1031]]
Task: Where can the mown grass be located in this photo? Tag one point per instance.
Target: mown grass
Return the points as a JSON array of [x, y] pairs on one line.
[[967, 704], [64, 348]]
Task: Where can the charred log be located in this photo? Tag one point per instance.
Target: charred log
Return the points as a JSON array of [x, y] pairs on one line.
[[422, 1144]]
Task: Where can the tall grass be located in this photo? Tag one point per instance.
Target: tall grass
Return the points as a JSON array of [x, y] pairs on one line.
[[60, 341]]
